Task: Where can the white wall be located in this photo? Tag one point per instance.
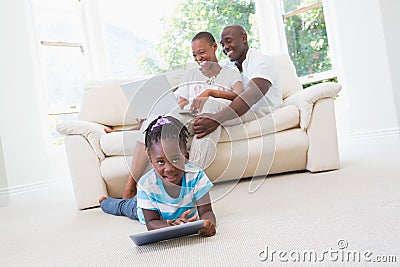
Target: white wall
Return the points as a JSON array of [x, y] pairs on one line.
[[391, 23], [367, 105], [28, 157]]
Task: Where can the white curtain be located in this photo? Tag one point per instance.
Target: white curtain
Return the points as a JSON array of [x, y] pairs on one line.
[[271, 27]]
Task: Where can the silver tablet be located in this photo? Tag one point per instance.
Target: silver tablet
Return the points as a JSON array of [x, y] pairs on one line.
[[187, 112], [165, 233]]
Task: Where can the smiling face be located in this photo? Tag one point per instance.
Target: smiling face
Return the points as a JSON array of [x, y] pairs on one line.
[[234, 43], [168, 159], [203, 51]]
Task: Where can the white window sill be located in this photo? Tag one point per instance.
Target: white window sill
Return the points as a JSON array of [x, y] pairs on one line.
[[317, 77]]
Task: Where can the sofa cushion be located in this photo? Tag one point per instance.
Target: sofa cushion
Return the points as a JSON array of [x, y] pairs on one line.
[[290, 83], [120, 143], [280, 119], [123, 143], [115, 172], [105, 103]]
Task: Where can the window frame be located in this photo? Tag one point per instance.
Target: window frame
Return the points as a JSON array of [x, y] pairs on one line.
[[314, 77], [51, 114]]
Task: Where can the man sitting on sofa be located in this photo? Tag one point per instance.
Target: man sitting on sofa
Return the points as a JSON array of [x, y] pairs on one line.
[[262, 94]]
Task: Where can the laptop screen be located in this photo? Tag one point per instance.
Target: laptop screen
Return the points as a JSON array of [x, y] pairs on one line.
[[149, 98]]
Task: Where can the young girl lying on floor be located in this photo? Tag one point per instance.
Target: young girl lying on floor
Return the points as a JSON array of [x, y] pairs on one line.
[[173, 192]]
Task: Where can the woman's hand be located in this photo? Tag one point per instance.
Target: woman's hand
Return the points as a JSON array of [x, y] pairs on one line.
[[198, 102], [208, 228], [182, 219]]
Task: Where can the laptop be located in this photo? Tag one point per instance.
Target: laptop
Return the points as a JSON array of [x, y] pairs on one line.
[[149, 98], [166, 233]]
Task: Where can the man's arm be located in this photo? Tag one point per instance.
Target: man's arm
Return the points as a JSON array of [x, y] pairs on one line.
[[256, 89]]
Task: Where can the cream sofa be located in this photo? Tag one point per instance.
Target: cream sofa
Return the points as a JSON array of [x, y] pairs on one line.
[[301, 135]]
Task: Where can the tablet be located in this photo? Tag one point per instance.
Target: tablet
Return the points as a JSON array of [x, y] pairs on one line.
[[166, 233], [187, 112]]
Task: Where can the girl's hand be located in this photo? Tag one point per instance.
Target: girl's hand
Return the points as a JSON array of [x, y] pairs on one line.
[[182, 219], [208, 228]]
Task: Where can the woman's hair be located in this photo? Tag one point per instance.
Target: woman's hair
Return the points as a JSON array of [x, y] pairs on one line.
[[166, 127], [205, 36]]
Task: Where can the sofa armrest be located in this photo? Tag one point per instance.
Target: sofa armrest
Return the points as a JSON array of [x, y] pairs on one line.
[[89, 130], [323, 152], [84, 166], [305, 99]]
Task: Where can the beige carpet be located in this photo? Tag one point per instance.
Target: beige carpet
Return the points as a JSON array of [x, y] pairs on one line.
[[357, 206]]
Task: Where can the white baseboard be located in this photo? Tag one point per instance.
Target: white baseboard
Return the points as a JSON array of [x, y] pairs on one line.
[[14, 190], [395, 132]]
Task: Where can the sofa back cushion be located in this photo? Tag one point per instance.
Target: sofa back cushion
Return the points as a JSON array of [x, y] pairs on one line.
[[281, 119], [105, 103], [290, 83]]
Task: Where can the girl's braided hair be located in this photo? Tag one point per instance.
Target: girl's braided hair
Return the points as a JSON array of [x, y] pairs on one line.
[[166, 127]]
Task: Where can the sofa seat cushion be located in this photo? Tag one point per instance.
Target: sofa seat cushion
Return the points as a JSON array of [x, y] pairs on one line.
[[280, 119], [115, 172], [123, 143], [120, 143]]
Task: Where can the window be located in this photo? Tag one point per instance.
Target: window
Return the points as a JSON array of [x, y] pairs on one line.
[[121, 39], [307, 39], [60, 35], [155, 36]]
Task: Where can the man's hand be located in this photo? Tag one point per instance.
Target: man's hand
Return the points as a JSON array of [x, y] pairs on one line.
[[208, 228], [205, 124]]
